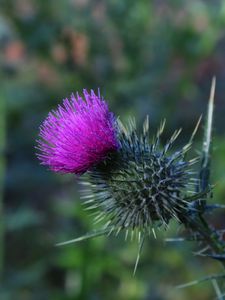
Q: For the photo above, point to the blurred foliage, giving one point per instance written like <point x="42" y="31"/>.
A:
<point x="147" y="57"/>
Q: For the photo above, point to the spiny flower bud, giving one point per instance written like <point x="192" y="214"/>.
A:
<point x="141" y="184"/>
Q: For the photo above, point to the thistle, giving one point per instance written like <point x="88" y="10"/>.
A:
<point x="133" y="183"/>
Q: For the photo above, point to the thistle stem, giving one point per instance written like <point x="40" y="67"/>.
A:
<point x="199" y="224"/>
<point x="211" y="237"/>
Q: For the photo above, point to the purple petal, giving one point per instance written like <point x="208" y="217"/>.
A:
<point x="78" y="135"/>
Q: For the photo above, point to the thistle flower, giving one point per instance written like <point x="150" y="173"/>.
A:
<point x="78" y="135"/>
<point x="132" y="183"/>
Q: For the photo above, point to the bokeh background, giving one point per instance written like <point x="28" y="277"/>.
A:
<point x="147" y="57"/>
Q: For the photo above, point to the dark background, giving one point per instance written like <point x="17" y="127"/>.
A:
<point x="147" y="57"/>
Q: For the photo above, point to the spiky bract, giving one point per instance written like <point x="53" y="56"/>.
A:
<point x="140" y="185"/>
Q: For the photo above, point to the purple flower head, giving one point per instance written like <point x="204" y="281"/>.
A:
<point x="78" y="135"/>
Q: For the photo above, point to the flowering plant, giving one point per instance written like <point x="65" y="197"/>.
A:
<point x="132" y="184"/>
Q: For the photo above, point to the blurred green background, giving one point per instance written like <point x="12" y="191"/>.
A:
<point x="147" y="57"/>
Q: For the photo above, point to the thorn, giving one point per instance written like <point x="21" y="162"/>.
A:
<point x="85" y="237"/>
<point x="210" y="117"/>
<point x="206" y="278"/>
<point x="138" y="255"/>
<point x="146" y="125"/>
<point x="195" y="130"/>
<point x="154" y="234"/>
<point x="174" y="240"/>
<point x="200" y="252"/>
<point x="214" y="206"/>
<point x="214" y="256"/>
